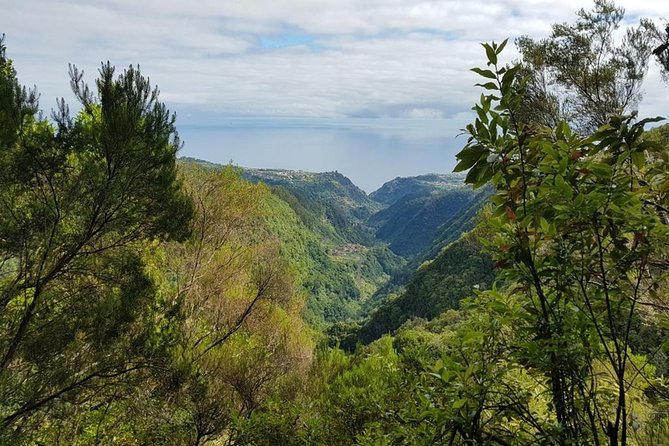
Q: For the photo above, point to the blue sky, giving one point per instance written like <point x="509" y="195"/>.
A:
<point x="304" y="65"/>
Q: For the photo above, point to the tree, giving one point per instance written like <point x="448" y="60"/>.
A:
<point x="232" y="309"/>
<point x="661" y="52"/>
<point x="17" y="105"/>
<point x="582" y="236"/>
<point x="81" y="199"/>
<point x="580" y="74"/>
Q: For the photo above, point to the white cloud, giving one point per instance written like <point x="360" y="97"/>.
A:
<point x="423" y="113"/>
<point x="404" y="58"/>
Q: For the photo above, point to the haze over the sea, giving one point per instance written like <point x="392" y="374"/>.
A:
<point x="368" y="151"/>
<point x="371" y="88"/>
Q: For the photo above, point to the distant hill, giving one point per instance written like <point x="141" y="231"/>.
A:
<point x="464" y="220"/>
<point x="448" y="232"/>
<point x="332" y="187"/>
<point x="339" y="237"/>
<point x="314" y="216"/>
<point x="394" y="190"/>
<point x="327" y="196"/>
<point x="417" y="211"/>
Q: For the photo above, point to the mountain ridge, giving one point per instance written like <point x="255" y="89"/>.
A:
<point x="393" y="190"/>
<point x="366" y="262"/>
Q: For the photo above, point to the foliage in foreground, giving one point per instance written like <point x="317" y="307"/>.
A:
<point x="80" y="199"/>
<point x="581" y="235"/>
<point x="139" y="304"/>
<point x="164" y="309"/>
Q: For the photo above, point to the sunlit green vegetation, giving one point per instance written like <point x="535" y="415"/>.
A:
<point x="150" y="301"/>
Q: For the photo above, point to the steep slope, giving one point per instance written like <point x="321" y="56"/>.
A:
<point x="411" y="224"/>
<point x="338" y="239"/>
<point x="421" y="185"/>
<point x="414" y="288"/>
<point x="464" y="220"/>
<point x="417" y="208"/>
<point x="329" y="197"/>
<point x="437" y="286"/>
<point x="337" y="274"/>
<point x="350" y="265"/>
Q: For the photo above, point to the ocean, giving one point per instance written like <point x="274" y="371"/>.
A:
<point x="368" y="151"/>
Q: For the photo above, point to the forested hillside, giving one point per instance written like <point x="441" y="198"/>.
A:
<point x="410" y="224"/>
<point x="339" y="262"/>
<point x="151" y="300"/>
<point x="394" y="190"/>
<point x="438" y="285"/>
<point x="330" y="233"/>
<point x="328" y="196"/>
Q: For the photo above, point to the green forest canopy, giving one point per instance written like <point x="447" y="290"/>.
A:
<point x="145" y="301"/>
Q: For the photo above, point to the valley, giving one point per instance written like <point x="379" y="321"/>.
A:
<point x="370" y="254"/>
<point x="150" y="298"/>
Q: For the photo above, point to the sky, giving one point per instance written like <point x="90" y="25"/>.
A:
<point x="371" y="88"/>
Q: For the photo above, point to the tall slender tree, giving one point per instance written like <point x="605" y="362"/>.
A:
<point x="80" y="197"/>
<point x="581" y="73"/>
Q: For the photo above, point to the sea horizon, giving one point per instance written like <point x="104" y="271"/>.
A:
<point x="369" y="151"/>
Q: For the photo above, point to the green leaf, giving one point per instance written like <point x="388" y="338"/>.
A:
<point x="543" y="223"/>
<point x="502" y="45"/>
<point x="563" y="187"/>
<point x="639" y="159"/>
<point x="510" y="74"/>
<point x="481" y="114"/>
<point x="469" y="156"/>
<point x="458" y="404"/>
<point x="488" y="86"/>
<point x="485" y="73"/>
<point x="601" y="170"/>
<point x="475" y="173"/>
<point x="492" y="56"/>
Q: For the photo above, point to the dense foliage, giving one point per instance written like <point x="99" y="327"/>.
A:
<point x="581" y="234"/>
<point x="411" y="224"/>
<point x="421" y="185"/>
<point x="328" y="198"/>
<point x="145" y="301"/>
<point x="81" y="201"/>
<point x="437" y="286"/>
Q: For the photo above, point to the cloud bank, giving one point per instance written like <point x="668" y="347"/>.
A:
<point x="305" y="58"/>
